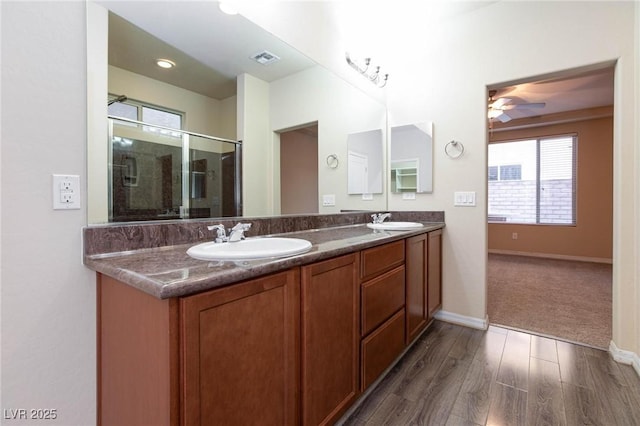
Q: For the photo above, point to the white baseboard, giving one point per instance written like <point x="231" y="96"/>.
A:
<point x="472" y="322"/>
<point x="552" y="256"/>
<point x="625" y="357"/>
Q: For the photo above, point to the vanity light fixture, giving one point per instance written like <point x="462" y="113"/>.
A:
<point x="373" y="76"/>
<point x="165" y="63"/>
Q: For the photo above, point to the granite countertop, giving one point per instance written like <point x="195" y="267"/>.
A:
<point x="168" y="271"/>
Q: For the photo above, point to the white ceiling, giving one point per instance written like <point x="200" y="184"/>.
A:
<point x="209" y="47"/>
<point x="212" y="48"/>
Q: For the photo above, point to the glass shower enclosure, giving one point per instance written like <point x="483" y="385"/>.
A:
<point x="158" y="173"/>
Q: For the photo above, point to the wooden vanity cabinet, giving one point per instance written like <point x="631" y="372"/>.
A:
<point x="240" y="348"/>
<point x="330" y="338"/>
<point x="295" y="347"/>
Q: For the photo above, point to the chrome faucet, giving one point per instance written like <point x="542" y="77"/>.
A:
<point x="380" y="217"/>
<point x="237" y="232"/>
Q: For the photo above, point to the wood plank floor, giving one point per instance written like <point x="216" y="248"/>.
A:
<point x="455" y="375"/>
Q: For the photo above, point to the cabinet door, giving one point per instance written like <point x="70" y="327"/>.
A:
<point x="382" y="347"/>
<point x="416" y="282"/>
<point x="435" y="273"/>
<point x="330" y="338"/>
<point x="240" y="353"/>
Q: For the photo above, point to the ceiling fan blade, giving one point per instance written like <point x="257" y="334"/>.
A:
<point x="500" y="103"/>
<point x="503" y="117"/>
<point x="525" y="106"/>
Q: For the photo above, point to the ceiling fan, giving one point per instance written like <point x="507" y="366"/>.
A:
<point x="497" y="109"/>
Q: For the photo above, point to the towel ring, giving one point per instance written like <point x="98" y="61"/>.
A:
<point x="332" y="161"/>
<point x="454" y="145"/>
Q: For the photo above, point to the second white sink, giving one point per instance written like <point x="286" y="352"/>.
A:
<point x="395" y="226"/>
<point x="250" y="249"/>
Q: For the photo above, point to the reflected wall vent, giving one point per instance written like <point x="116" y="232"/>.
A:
<point x="265" y="57"/>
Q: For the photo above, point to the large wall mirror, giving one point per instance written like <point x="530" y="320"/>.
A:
<point x="411" y="158"/>
<point x="231" y="80"/>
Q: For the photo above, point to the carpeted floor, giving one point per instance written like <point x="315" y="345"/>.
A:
<point x="566" y="299"/>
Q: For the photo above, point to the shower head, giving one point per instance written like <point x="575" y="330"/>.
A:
<point x="120" y="98"/>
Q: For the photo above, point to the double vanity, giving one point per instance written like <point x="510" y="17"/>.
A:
<point x="237" y="339"/>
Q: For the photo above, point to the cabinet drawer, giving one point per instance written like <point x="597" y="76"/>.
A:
<point x="381" y="348"/>
<point x="381" y="298"/>
<point x="383" y="258"/>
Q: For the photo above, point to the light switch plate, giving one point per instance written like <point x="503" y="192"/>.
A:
<point x="464" y="199"/>
<point x="367" y="197"/>
<point x="408" y="195"/>
<point x="328" y="200"/>
<point x="66" y="192"/>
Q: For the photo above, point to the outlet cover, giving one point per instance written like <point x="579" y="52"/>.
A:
<point x="66" y="192"/>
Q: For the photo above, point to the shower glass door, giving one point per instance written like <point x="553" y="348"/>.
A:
<point x="161" y="173"/>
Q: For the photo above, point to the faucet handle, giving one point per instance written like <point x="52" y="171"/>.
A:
<point x="380" y="217"/>
<point x="221" y="233"/>
<point x="237" y="232"/>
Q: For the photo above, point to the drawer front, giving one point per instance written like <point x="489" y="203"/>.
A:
<point x="381" y="348"/>
<point x="382" y="258"/>
<point x="381" y="298"/>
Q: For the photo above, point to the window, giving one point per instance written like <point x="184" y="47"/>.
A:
<point x="533" y="181"/>
<point x="511" y="172"/>
<point x="493" y="173"/>
<point x="149" y="115"/>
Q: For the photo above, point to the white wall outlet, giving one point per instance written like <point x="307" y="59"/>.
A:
<point x="66" y="192"/>
<point x="464" y="199"/>
<point x="514" y="236"/>
<point x="367" y="197"/>
<point x="328" y="200"/>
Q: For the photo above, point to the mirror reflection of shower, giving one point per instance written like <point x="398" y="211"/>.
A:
<point x="160" y="173"/>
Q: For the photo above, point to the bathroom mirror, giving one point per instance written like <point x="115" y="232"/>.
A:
<point x="298" y="92"/>
<point x="411" y="158"/>
<point x="364" y="162"/>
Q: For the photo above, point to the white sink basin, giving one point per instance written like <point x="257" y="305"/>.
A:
<point x="250" y="249"/>
<point x="395" y="226"/>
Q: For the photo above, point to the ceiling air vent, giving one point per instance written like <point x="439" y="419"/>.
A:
<point x="265" y="57"/>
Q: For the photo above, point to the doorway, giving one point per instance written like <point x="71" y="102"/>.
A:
<point x="299" y="170"/>
<point x="550" y="205"/>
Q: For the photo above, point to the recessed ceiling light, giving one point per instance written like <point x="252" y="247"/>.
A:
<point x="165" y="63"/>
<point x="227" y="7"/>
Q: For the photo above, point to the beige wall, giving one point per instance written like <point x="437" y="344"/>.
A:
<point x="48" y="297"/>
<point x="592" y="237"/>
<point x="257" y="146"/>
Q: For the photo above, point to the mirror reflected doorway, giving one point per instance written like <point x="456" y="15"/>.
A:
<point x="299" y="170"/>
